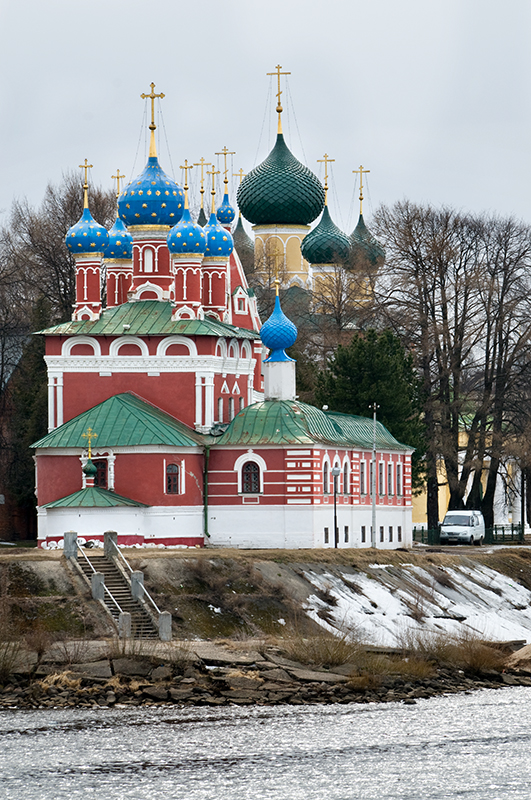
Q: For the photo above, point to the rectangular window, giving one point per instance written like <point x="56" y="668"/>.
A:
<point x="390" y="533"/>
<point x="381" y="485"/>
<point x="220" y="409"/>
<point x="345" y="479"/>
<point x="399" y="533"/>
<point x="326" y="536"/>
<point x="363" y="489"/>
<point x="363" y="533"/>
<point x="241" y="402"/>
<point x="371" y="487"/>
<point x="231" y="409"/>
<point x="399" y="479"/>
<point x="381" y="533"/>
<point x="100" y="478"/>
<point x="390" y="478"/>
<point x="346" y="533"/>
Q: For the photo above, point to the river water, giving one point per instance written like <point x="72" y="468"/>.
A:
<point x="475" y="746"/>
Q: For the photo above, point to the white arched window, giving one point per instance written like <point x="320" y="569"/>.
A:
<point x="250" y="468"/>
<point x="346" y="481"/>
<point x="326" y="481"/>
<point x="148" y="259"/>
<point x="220" y="409"/>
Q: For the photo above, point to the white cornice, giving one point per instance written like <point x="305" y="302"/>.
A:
<point x="109" y="364"/>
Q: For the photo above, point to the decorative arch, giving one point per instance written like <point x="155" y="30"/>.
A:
<point x="182" y="340"/>
<point x="115" y="345"/>
<point x="244" y="459"/>
<point x="346" y="474"/>
<point x="233" y="349"/>
<point x="221" y="347"/>
<point x="246" y="350"/>
<point x="326" y="474"/>
<point x="149" y="287"/>
<point x="66" y="349"/>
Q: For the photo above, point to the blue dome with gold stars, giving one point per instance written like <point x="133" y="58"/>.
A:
<point x="120" y="242"/>
<point x="187" y="236"/>
<point x="87" y="236"/>
<point x="151" y="199"/>
<point x="225" y="212"/>
<point x="278" y="333"/>
<point x="219" y="240"/>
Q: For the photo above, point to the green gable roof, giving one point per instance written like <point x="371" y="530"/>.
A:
<point x="93" y="497"/>
<point x="124" y="420"/>
<point x="147" y="318"/>
<point x="286" y="422"/>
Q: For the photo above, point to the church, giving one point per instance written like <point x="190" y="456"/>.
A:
<point x="172" y="413"/>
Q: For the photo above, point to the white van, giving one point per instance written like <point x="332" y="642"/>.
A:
<point x="463" y="527"/>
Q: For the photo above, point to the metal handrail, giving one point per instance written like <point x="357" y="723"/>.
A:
<point x="145" y="591"/>
<point x="94" y="570"/>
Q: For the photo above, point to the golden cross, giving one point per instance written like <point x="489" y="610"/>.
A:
<point x="86" y="166"/>
<point x="186" y="167"/>
<point x="90" y="435"/>
<point x="361" y="172"/>
<point x="213" y="173"/>
<point x="117" y="178"/>
<point x="278" y="73"/>
<point x="240" y="174"/>
<point x="326" y="161"/>
<point x="226" y="153"/>
<point x="152" y="97"/>
<point x="202" y="163"/>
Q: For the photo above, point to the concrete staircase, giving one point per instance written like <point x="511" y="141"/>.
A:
<point x="142" y="626"/>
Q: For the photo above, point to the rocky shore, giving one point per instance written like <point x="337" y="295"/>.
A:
<point x="210" y="675"/>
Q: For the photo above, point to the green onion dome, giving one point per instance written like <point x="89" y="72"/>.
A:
<point x="201" y="219"/>
<point x="280" y="190"/>
<point x="87" y="236"/>
<point x="364" y="247"/>
<point x="90" y="469"/>
<point x="219" y="240"/>
<point x="326" y="244"/>
<point x="187" y="236"/>
<point x="244" y="246"/>
<point x="151" y="199"/>
<point x="120" y="242"/>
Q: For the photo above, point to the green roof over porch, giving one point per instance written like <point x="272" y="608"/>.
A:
<point x="93" y="497"/>
<point x="124" y="420"/>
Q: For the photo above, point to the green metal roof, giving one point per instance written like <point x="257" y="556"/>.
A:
<point x="326" y="244"/>
<point x="286" y="422"/>
<point x="147" y="318"/>
<point x="124" y="420"/>
<point x="280" y="190"/>
<point x="93" y="497"/>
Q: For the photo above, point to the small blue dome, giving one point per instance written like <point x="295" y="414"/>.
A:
<point x="219" y="241"/>
<point x="120" y="242"/>
<point x="278" y="333"/>
<point x="151" y="199"/>
<point x="87" y="236"/>
<point x="187" y="236"/>
<point x="225" y="212"/>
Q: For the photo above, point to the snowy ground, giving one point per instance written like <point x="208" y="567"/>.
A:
<point x="385" y="604"/>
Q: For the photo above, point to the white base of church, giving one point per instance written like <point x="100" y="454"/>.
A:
<point x="245" y="526"/>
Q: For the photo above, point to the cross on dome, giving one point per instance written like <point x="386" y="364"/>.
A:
<point x="278" y="73"/>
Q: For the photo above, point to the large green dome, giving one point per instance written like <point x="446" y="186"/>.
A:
<point x="326" y="244"/>
<point x="280" y="190"/>
<point x="364" y="247"/>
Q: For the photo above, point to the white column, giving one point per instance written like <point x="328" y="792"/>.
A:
<point x="209" y="400"/>
<point x="198" y="400"/>
<point x="51" y="404"/>
<point x="59" y="399"/>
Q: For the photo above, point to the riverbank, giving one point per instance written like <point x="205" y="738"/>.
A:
<point x="115" y="674"/>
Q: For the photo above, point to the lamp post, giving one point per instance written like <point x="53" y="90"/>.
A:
<point x="374" y="408"/>
<point x="336" y="473"/>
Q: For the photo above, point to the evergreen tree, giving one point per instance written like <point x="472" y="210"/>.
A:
<point x="376" y="368"/>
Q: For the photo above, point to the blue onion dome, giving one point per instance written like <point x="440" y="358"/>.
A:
<point x="278" y="333"/>
<point x="151" y="199"/>
<point x="225" y="212"/>
<point x="120" y="242"/>
<point x="244" y="246"/>
<point x="281" y="190"/>
<point x="219" y="240"/>
<point x="364" y="248"/>
<point x="87" y="236"/>
<point x="187" y="236"/>
<point x="326" y="244"/>
<point x="201" y="219"/>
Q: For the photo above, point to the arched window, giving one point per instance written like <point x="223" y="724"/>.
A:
<point x="250" y="478"/>
<point x="220" y="409"/>
<point x="241" y="402"/>
<point x="172" y="479"/>
<point x="231" y="409"/>
<point x="345" y="479"/>
<point x="148" y="259"/>
<point x="100" y="478"/>
<point x="326" y="487"/>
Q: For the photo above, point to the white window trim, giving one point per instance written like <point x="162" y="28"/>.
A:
<point x="243" y="459"/>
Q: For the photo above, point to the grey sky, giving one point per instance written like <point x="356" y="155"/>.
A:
<point x="430" y="95"/>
